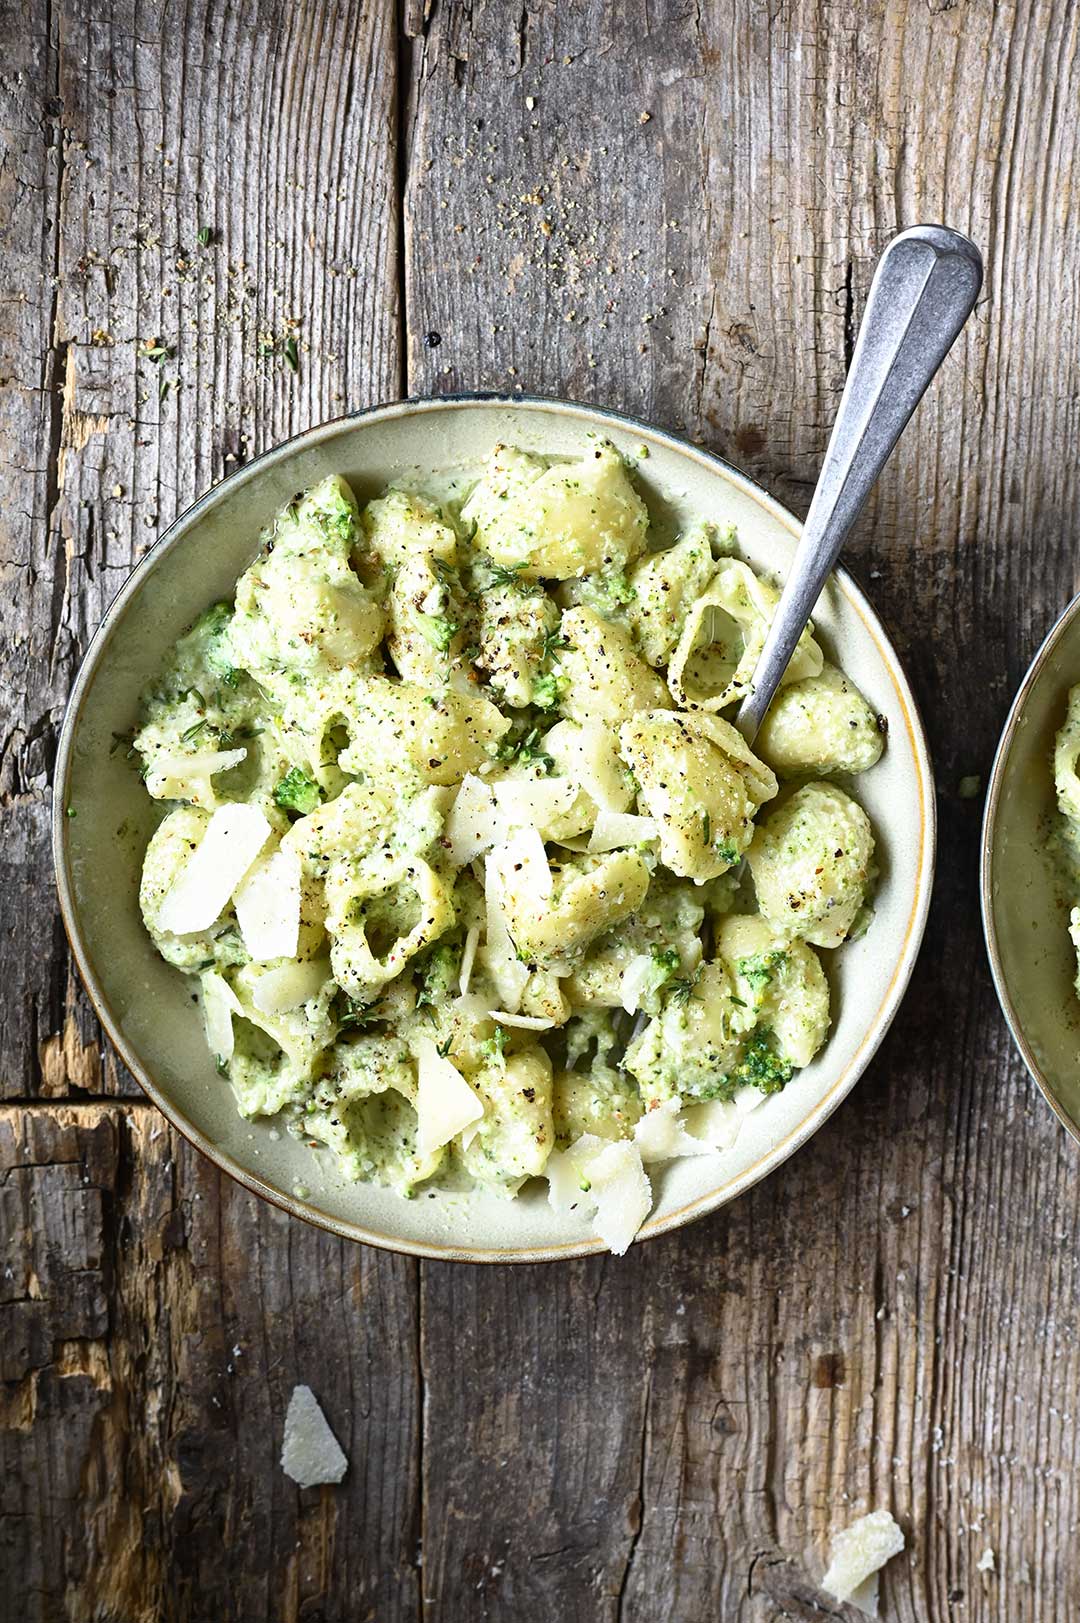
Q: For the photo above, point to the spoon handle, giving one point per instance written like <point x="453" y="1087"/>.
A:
<point x="924" y="289"/>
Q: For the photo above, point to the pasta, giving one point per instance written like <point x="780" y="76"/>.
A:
<point x="453" y="834"/>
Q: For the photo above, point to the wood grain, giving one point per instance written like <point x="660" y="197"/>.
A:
<point x="674" y="210"/>
<point x="870" y="1326"/>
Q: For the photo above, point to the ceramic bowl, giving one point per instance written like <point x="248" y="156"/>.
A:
<point x="1024" y="905"/>
<point x="147" y="1008"/>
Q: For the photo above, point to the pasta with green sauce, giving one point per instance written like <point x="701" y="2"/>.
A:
<point x="454" y="828"/>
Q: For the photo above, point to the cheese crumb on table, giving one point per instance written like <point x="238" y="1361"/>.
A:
<point x="310" y="1453"/>
<point x="985" y="1563"/>
<point x="856" y="1556"/>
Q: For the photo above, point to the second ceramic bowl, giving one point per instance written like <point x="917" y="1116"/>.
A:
<point x="147" y="1008"/>
<point x="1024" y="904"/>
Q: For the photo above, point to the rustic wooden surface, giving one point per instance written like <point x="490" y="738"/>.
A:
<point x="673" y="209"/>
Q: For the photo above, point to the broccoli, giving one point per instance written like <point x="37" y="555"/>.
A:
<point x="439" y="630"/>
<point x="759" y="968"/>
<point x="761" y="1063"/>
<point x="297" y="792"/>
<point x="548" y="690"/>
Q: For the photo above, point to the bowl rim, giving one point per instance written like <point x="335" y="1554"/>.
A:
<point x="995" y="790"/>
<point x="296" y="1206"/>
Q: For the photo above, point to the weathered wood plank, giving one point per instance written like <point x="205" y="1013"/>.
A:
<point x="706" y="267"/>
<point x="273" y="136"/>
<point x="154" y="1319"/>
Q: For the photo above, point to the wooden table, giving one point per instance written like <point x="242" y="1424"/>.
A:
<point x="674" y="210"/>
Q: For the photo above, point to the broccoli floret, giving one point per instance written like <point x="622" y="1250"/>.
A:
<point x="548" y="690"/>
<point x="439" y="630"/>
<point x="760" y="968"/>
<point x="297" y="792"/>
<point x="761" y="1063"/>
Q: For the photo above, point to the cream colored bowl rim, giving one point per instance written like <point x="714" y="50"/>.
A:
<point x="174" y="536"/>
<point x="995" y="790"/>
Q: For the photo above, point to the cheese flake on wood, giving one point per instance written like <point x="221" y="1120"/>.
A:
<point x="310" y="1453"/>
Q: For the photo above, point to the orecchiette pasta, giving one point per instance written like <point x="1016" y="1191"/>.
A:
<point x="452" y="832"/>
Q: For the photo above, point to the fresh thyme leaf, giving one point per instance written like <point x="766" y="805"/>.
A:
<point x="206" y="236"/>
<point x="194" y="732"/>
<point x="291" y="353"/>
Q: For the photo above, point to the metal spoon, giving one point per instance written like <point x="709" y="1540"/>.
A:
<point x="923" y="291"/>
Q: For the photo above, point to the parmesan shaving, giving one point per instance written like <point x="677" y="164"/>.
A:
<point x="468" y="959"/>
<point x="522" y="865"/>
<point x="204" y="886"/>
<point x="623" y="1195"/>
<point x="219" y="1004"/>
<point x="717" y="1122"/>
<point x="268" y="907"/>
<point x="287" y="986"/>
<point x="510" y="976"/>
<point x="603" y="1180"/>
<point x="661" y="1134"/>
<point x="473" y="824"/>
<point x="187" y="777"/>
<point x="445" y="1103"/>
<point x="613" y="830"/>
<point x="635" y="978"/>
<point x="310" y="1453"/>
<point x="535" y="802"/>
<point x="856" y="1556"/>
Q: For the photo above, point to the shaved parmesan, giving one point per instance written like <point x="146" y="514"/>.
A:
<point x="204" y="886"/>
<point x="856" y="1556"/>
<point x="661" y="1134"/>
<point x="468" y="959"/>
<point x="635" y="979"/>
<point x="623" y="1194"/>
<point x="187" y="777"/>
<point x="535" y="802"/>
<point x="502" y="963"/>
<point x="287" y="986"/>
<point x="591" y="756"/>
<point x="522" y="865"/>
<point x="748" y="1099"/>
<point x="612" y="830"/>
<point x="567" y="1172"/>
<point x="310" y="1453"/>
<point x="473" y="824"/>
<point x="445" y="1103"/>
<point x="602" y="1180"/>
<point x="268" y="907"/>
<point x="219" y="1004"/>
<point x="526" y="1022"/>
<point x="716" y="1122"/>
